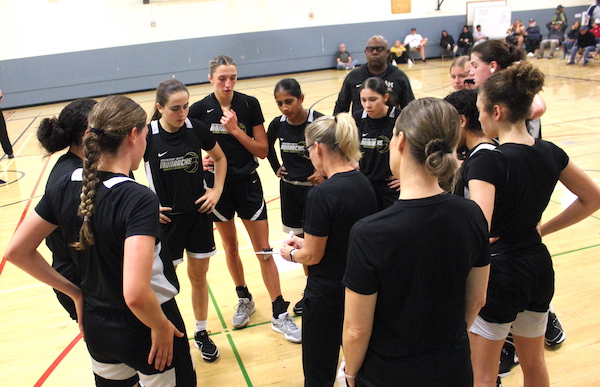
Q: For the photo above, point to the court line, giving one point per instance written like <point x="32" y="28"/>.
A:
<point x="26" y="209"/>
<point x="239" y="360"/>
<point x="57" y="361"/>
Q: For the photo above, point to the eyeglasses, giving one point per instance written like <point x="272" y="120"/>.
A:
<point x="379" y="49"/>
<point x="305" y="151"/>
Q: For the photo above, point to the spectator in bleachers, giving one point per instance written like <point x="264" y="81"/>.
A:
<point x="465" y="41"/>
<point x="533" y="36"/>
<point x="571" y="38"/>
<point x="479" y="36"/>
<point x="447" y="44"/>
<point x="416" y="42"/>
<point x="586" y="43"/>
<point x="555" y="38"/>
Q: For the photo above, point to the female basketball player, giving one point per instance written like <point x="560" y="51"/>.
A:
<point x="55" y="134"/>
<point x="297" y="173"/>
<point x="513" y="185"/>
<point x="417" y="271"/>
<point x="174" y="169"/>
<point x="132" y="325"/>
<point x="236" y="121"/>
<point x="331" y="209"/>
<point x="375" y="125"/>
<point x="458" y="73"/>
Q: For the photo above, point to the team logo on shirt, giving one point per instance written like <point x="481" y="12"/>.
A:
<point x="220" y="129"/>
<point x="189" y="163"/>
<point x="381" y="143"/>
<point x="293" y="147"/>
<point x="390" y="85"/>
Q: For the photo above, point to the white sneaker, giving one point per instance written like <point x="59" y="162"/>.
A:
<point x="530" y="54"/>
<point x="410" y="62"/>
<point x="285" y="325"/>
<point x="243" y="310"/>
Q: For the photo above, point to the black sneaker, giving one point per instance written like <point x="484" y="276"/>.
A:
<point x="299" y="306"/>
<point x="555" y="334"/>
<point x="207" y="348"/>
<point x="508" y="357"/>
<point x="11" y="156"/>
<point x="498" y="382"/>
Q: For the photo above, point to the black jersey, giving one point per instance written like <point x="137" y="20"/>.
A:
<point x="292" y="142"/>
<point x="332" y="207"/>
<point x="416" y="255"/>
<point x="240" y="162"/>
<point x="524" y="177"/>
<point x="375" y="136"/>
<point x="173" y="158"/>
<point x="395" y="79"/>
<point x="123" y="208"/>
<point x="461" y="187"/>
<point x="65" y="165"/>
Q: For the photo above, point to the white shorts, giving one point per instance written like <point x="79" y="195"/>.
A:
<point x="527" y="324"/>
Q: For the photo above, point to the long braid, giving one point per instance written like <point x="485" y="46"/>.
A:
<point x="109" y="123"/>
<point x="88" y="190"/>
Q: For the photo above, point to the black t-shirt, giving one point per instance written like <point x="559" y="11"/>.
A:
<point x="291" y="144"/>
<point x="174" y="164"/>
<point x="240" y="162"/>
<point x="461" y="188"/>
<point x="61" y="252"/>
<point x="416" y="255"/>
<point x="332" y="207"/>
<point x="395" y="79"/>
<point x="375" y="136"/>
<point x="123" y="208"/>
<point x="524" y="177"/>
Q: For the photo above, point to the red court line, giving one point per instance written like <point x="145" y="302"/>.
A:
<point x="56" y="362"/>
<point x="37" y="184"/>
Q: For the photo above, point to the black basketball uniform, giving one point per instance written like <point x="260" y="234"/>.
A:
<point x="117" y="341"/>
<point x="242" y="192"/>
<point x="375" y="136"/>
<point x="294" y="186"/>
<point x="521" y="277"/>
<point x="62" y="261"/>
<point x="174" y="169"/>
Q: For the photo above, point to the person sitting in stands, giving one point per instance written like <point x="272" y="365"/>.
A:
<point x="555" y="38"/>
<point x="398" y="53"/>
<point x="344" y="60"/>
<point x="479" y="36"/>
<point x="586" y="43"/>
<point x="533" y="37"/>
<point x="416" y="42"/>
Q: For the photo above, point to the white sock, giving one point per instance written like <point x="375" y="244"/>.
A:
<point x="201" y="325"/>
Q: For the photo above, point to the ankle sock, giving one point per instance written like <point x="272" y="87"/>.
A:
<point x="279" y="306"/>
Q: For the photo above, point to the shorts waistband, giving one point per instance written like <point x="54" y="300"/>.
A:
<point x="295" y="182"/>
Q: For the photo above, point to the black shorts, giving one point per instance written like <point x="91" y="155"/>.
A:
<point x="519" y="281"/>
<point x="119" y="344"/>
<point x="293" y="198"/>
<point x="241" y="194"/>
<point x="192" y="231"/>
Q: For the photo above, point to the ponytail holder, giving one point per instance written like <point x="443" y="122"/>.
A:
<point x="440" y="146"/>
<point x="97" y="131"/>
<point x="86" y="218"/>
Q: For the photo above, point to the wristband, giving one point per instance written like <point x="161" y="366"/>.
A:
<point x="349" y="376"/>
<point x="292" y="255"/>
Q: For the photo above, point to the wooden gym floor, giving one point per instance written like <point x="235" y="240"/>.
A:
<point x="40" y="345"/>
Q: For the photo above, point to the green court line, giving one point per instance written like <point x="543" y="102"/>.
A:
<point x="576" y="250"/>
<point x="239" y="360"/>
<point x="212" y="298"/>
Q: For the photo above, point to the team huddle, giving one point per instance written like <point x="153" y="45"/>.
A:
<point x="417" y="223"/>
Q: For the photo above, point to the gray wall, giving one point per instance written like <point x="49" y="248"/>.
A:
<point x="62" y="77"/>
